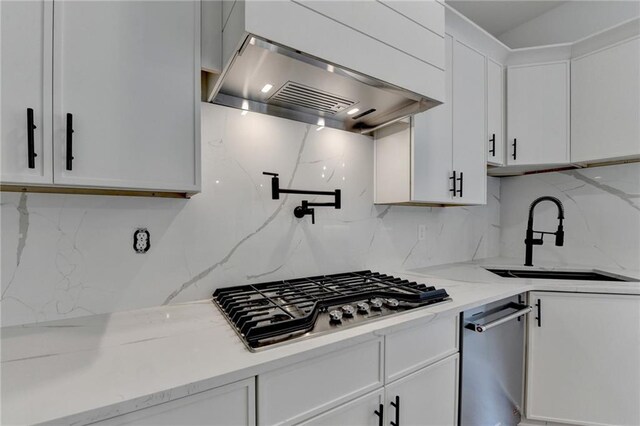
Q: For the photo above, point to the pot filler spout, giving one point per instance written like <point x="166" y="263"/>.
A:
<point x="271" y="79"/>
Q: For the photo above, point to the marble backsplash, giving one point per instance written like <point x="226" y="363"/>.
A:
<point x="602" y="216"/>
<point x="71" y="255"/>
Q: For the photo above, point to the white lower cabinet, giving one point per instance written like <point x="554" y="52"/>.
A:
<point x="426" y="397"/>
<point x="230" y="405"/>
<point x="358" y="385"/>
<point x="363" y="411"/>
<point x="583" y="362"/>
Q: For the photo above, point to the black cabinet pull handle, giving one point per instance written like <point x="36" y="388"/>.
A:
<point x="453" y="178"/>
<point x="31" y="153"/>
<point x="492" y="151"/>
<point x="539" y="308"/>
<point x="396" y="405"/>
<point x="380" y="413"/>
<point x="515" y="147"/>
<point x="461" y="180"/>
<point x="69" y="141"/>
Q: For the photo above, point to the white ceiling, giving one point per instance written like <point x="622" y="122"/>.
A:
<point x="497" y="17"/>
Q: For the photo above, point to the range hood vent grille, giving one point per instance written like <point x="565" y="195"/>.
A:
<point x="304" y="96"/>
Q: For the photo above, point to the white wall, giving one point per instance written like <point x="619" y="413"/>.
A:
<point x="602" y="210"/>
<point x="570" y="22"/>
<point x="71" y="255"/>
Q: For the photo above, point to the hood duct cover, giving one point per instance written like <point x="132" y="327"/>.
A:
<point x="311" y="90"/>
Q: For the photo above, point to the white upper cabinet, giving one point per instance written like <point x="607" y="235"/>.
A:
<point x="126" y="94"/>
<point x="469" y="125"/>
<point x="605" y="103"/>
<point x="432" y="144"/>
<point x="495" y="113"/>
<point x="112" y="89"/>
<point x="538" y="114"/>
<point x="26" y="91"/>
<point x="584" y="359"/>
<point x="441" y="157"/>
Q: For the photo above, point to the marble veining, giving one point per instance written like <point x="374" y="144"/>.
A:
<point x="98" y="358"/>
<point x="65" y="256"/>
<point x="602" y="215"/>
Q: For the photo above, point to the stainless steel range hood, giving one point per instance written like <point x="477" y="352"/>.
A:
<point x="307" y="89"/>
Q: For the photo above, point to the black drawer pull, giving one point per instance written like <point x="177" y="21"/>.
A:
<point x="539" y="309"/>
<point x="461" y="180"/>
<point x="31" y="153"/>
<point x="515" y="148"/>
<point x="492" y="151"/>
<point x="396" y="405"/>
<point x="453" y="178"/>
<point x="69" y="141"/>
<point x="380" y="413"/>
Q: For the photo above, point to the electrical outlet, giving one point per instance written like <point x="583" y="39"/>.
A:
<point x="141" y="240"/>
<point x="422" y="232"/>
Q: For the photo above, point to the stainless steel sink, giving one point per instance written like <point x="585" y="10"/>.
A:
<point x="558" y="275"/>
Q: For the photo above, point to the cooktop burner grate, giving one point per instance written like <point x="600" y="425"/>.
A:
<point x="271" y="312"/>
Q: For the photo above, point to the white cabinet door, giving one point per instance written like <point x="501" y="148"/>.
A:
<point x="469" y="125"/>
<point x="26" y="84"/>
<point x="431" y="144"/>
<point x="538" y="114"/>
<point x="363" y="411"/>
<point x="426" y="397"/>
<point x="605" y="103"/>
<point x="128" y="72"/>
<point x="495" y="113"/>
<point x="584" y="359"/>
<point x="446" y="139"/>
<point x="230" y="405"/>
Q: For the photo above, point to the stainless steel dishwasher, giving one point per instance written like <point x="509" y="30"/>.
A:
<point x="492" y="369"/>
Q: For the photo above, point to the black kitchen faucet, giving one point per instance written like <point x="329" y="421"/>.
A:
<point x="530" y="241"/>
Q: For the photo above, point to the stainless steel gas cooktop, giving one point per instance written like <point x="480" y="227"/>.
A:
<point x="283" y="311"/>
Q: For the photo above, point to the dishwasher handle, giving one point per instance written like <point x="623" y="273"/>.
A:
<point x="522" y="310"/>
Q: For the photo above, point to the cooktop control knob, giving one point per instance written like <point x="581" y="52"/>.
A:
<point x="348" y="310"/>
<point x="392" y="303"/>
<point x="363" y="307"/>
<point x="335" y="315"/>
<point x="376" y="303"/>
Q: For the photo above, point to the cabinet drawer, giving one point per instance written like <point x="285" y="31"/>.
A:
<point x="428" y="343"/>
<point x="307" y="388"/>
<point x="229" y="405"/>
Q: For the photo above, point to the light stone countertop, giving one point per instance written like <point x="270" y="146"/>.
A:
<point x="86" y="369"/>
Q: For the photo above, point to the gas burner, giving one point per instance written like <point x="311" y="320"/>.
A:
<point x="363" y="307"/>
<point x="348" y="310"/>
<point x="282" y="311"/>
<point x="335" y="316"/>
<point x="376" y="303"/>
<point x="392" y="303"/>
